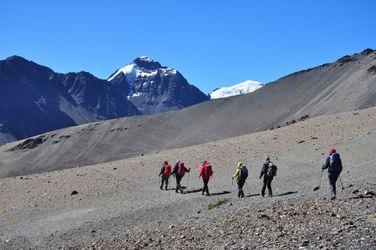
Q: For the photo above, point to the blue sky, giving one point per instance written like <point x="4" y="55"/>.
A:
<point x="212" y="43"/>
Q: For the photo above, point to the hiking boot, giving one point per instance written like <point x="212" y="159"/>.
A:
<point x="333" y="198"/>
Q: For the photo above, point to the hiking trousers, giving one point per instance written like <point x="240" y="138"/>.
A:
<point x="178" y="186"/>
<point x="165" y="181"/>
<point x="240" y="188"/>
<point x="205" y="189"/>
<point x="333" y="177"/>
<point x="267" y="183"/>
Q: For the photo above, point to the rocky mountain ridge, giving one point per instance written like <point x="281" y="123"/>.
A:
<point x="34" y="99"/>
<point x="154" y="88"/>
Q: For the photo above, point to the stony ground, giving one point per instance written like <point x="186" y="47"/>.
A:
<point x="293" y="223"/>
<point x="119" y="204"/>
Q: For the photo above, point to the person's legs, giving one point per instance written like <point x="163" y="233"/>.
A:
<point x="167" y="177"/>
<point x="332" y="184"/>
<point x="178" y="186"/>
<point x="264" y="186"/>
<point x="161" y="182"/>
<point x="177" y="183"/>
<point x="242" y="191"/>
<point x="269" y="185"/>
<point x="240" y="188"/>
<point x="206" y="187"/>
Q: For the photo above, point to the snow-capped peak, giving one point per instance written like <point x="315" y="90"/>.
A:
<point x="143" y="67"/>
<point x="146" y="59"/>
<point x="241" y="88"/>
<point x="130" y="71"/>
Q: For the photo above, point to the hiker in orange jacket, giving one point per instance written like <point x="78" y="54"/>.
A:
<point x="165" y="173"/>
<point x="205" y="172"/>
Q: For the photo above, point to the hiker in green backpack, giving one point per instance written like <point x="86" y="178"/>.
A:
<point x="241" y="174"/>
<point x="269" y="170"/>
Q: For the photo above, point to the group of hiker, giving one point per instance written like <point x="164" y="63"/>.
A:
<point x="269" y="170"/>
<point x="180" y="170"/>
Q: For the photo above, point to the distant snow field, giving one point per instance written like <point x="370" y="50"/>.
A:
<point x="238" y="89"/>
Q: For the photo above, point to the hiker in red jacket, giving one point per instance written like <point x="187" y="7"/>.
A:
<point x="165" y="173"/>
<point x="179" y="173"/>
<point x="205" y="172"/>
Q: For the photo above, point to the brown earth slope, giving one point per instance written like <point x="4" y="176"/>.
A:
<point x="344" y="85"/>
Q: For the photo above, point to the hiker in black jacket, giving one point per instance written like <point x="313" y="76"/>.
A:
<point x="334" y="165"/>
<point x="269" y="170"/>
<point x="179" y="172"/>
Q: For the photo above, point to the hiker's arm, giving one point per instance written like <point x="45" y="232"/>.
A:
<point x="162" y="170"/>
<point x="236" y="174"/>
<point x="262" y="171"/>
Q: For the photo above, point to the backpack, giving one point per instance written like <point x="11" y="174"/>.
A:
<point x="335" y="165"/>
<point x="181" y="170"/>
<point x="167" y="170"/>
<point x="208" y="171"/>
<point x="243" y="173"/>
<point x="272" y="170"/>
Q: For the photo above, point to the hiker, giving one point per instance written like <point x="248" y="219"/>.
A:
<point x="165" y="173"/>
<point x="241" y="174"/>
<point x="179" y="172"/>
<point x="334" y="165"/>
<point x="269" y="170"/>
<point x="205" y="172"/>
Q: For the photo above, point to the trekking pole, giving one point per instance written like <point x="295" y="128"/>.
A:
<point x="189" y="174"/>
<point x="318" y="187"/>
<point x="340" y="180"/>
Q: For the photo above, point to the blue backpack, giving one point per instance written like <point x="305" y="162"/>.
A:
<point x="335" y="165"/>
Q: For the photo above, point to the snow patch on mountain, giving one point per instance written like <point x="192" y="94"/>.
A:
<point x="133" y="71"/>
<point x="238" y="89"/>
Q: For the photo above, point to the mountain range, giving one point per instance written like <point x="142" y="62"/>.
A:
<point x="347" y="84"/>
<point x="34" y="99"/>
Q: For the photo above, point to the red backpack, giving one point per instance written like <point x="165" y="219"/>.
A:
<point x="167" y="170"/>
<point x="181" y="170"/>
<point x="207" y="171"/>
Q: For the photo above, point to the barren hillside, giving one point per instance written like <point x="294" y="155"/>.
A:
<point x="344" y="85"/>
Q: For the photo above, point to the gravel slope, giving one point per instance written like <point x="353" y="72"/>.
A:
<point x="119" y="203"/>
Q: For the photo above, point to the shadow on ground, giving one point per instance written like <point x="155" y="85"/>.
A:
<point x="220" y="193"/>
<point x="287" y="193"/>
